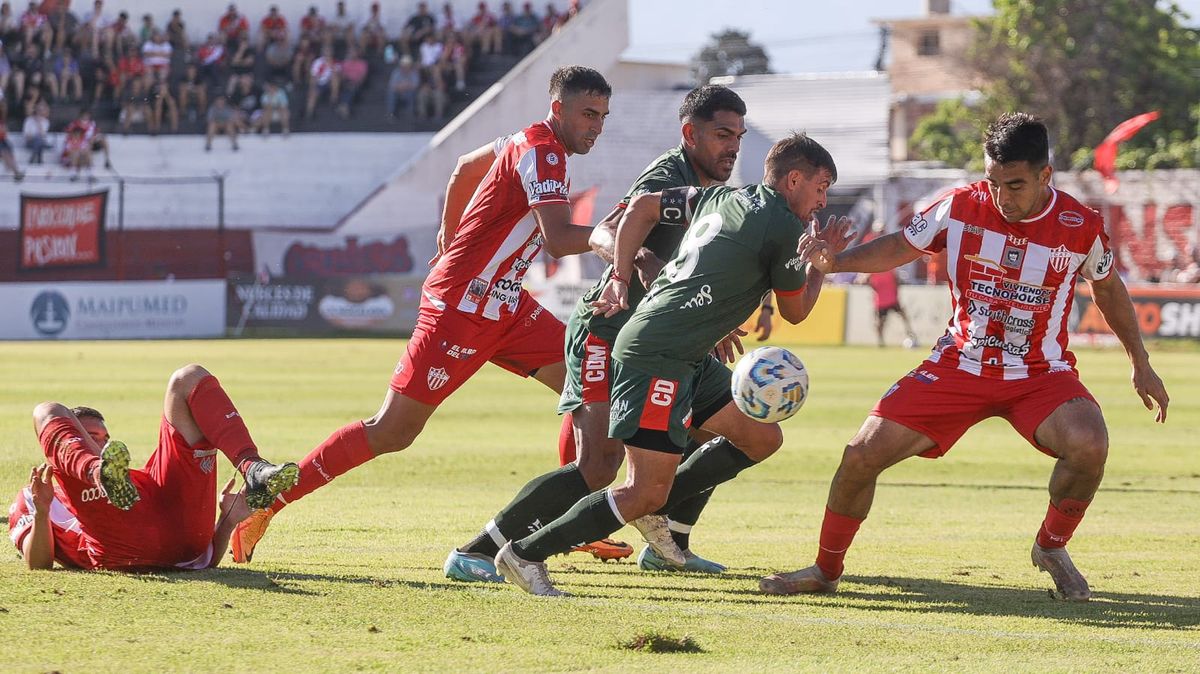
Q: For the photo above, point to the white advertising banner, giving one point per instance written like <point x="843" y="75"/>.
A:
<point x="113" y="310"/>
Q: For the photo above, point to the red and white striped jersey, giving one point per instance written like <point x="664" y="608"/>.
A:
<point x="481" y="270"/>
<point x="70" y="543"/>
<point x="1011" y="284"/>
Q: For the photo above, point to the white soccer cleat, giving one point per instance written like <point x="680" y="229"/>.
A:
<point x="658" y="537"/>
<point x="529" y="576"/>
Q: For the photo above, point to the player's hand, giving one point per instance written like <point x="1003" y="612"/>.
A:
<point x="614" y="299"/>
<point x="724" y="348"/>
<point x="1151" y="390"/>
<point x="233" y="504"/>
<point x="816" y="251"/>
<point x="837" y="232"/>
<point x="647" y="265"/>
<point x="41" y="485"/>
<point x="442" y="243"/>
<point x="762" y="327"/>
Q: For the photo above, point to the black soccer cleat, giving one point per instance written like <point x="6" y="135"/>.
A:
<point x="265" y="481"/>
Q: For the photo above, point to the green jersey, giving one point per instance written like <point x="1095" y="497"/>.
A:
<point x="672" y="169"/>
<point x="739" y="244"/>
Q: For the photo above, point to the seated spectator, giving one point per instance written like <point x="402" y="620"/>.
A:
<point x="448" y="22"/>
<point x="210" y="59"/>
<point x="66" y="70"/>
<point x="454" y="60"/>
<point x="148" y="29"/>
<point x="6" y="71"/>
<point x="61" y="22"/>
<point x="272" y="28"/>
<point x="302" y="60"/>
<point x="130" y="67"/>
<point x="6" y="153"/>
<point x="117" y="35"/>
<point x="373" y="36"/>
<point x="275" y="109"/>
<point x="33" y="69"/>
<point x="241" y="63"/>
<point x="77" y="151"/>
<point x="432" y="97"/>
<point x="340" y="29"/>
<point x="416" y="29"/>
<point x="232" y="26"/>
<point x="322" y="80"/>
<point x="33" y="98"/>
<point x="34" y="27"/>
<point x="312" y="26"/>
<point x="550" y="22"/>
<point x="431" y="53"/>
<point x="221" y="119"/>
<point x="36" y="132"/>
<point x="156" y="55"/>
<point x="352" y="73"/>
<point x="135" y="108"/>
<point x="162" y="102"/>
<point x="10" y="25"/>
<point x="524" y="33"/>
<point x="177" y="32"/>
<point x="278" y="57"/>
<point x="191" y="88"/>
<point x="91" y="134"/>
<point x="95" y="18"/>
<point x="403" y="84"/>
<point x="245" y="100"/>
<point x="483" y="31"/>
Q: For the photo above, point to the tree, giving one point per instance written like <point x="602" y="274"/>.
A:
<point x="730" y="53"/>
<point x="1085" y="66"/>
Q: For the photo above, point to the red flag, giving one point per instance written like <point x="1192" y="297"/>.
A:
<point x="1106" y="151"/>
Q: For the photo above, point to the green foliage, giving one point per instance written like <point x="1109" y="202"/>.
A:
<point x="953" y="135"/>
<point x="730" y="52"/>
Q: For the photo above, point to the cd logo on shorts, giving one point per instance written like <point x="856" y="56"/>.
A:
<point x="436" y="378"/>
<point x="552" y="159"/>
<point x="49" y="313"/>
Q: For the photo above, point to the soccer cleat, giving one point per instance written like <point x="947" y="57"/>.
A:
<point x="471" y="567"/>
<point x="606" y="549"/>
<point x="658" y="536"/>
<point x="648" y="561"/>
<point x="1070" y="584"/>
<point x="804" y="581"/>
<point x="114" y="475"/>
<point x="248" y="533"/>
<point x="529" y="576"/>
<point x="265" y="481"/>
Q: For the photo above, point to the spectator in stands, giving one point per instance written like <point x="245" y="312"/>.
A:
<point x="352" y="73"/>
<point x="448" y="22"/>
<point x="33" y="74"/>
<point x="156" y="55"/>
<point x="403" y="84"/>
<point x="272" y="28"/>
<point x="483" y="31"/>
<point x="90" y="133"/>
<point x="275" y="109"/>
<point x="34" y="27"/>
<point x="245" y="101"/>
<point x="177" y="32"/>
<point x="525" y="32"/>
<point x="432" y="97"/>
<point x="221" y="119"/>
<point x="66" y="70"/>
<point x="130" y="67"/>
<point x="147" y="30"/>
<point x="455" y="57"/>
<point x="373" y="35"/>
<point x="419" y="26"/>
<point x="117" y="35"/>
<point x="232" y="26"/>
<point x="192" y="89"/>
<point x="431" y="53"/>
<point x="77" y="152"/>
<point x="6" y="73"/>
<point x="210" y="59"/>
<point x="10" y="25"/>
<point x="135" y="107"/>
<point x="36" y="132"/>
<point x="322" y="80"/>
<point x="33" y="97"/>
<point x="550" y="22"/>
<point x="241" y="63"/>
<point x="162" y="102"/>
<point x="340" y="30"/>
<point x="306" y="53"/>
<point x="62" y="22"/>
<point x="312" y="26"/>
<point x="96" y="18"/>
<point x="6" y="152"/>
<point x="278" y="57"/>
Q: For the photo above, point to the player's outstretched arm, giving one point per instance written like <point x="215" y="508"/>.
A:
<point x="38" y="547"/>
<point x="232" y="510"/>
<point x="635" y="225"/>
<point x="880" y="254"/>
<point x="468" y="173"/>
<point x="831" y="240"/>
<point x="1112" y="298"/>
<point x="563" y="238"/>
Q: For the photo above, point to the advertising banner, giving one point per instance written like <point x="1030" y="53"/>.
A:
<point x="62" y="231"/>
<point x="114" y="310"/>
<point x="385" y="303"/>
<point x="1164" y="311"/>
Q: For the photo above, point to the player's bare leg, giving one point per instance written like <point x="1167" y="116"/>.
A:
<point x="1077" y="434"/>
<point x="878" y="445"/>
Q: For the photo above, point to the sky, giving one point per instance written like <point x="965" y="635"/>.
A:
<point x="799" y="35"/>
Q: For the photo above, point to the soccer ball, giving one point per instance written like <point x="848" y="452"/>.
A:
<point x="769" y="384"/>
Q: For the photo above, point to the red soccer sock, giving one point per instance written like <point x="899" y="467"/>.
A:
<point x="67" y="451"/>
<point x="566" y="441"/>
<point x="1060" y="522"/>
<point x="221" y="423"/>
<point x="837" y="533"/>
<point x="345" y="449"/>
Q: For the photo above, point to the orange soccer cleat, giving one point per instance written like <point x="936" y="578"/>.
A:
<point x="248" y="533"/>
<point x="606" y="549"/>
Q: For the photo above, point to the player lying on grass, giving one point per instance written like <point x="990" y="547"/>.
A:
<point x="1016" y="249"/>
<point x="87" y="509"/>
<point x="739" y="244"/>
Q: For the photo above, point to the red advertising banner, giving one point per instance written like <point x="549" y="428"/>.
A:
<point x="62" y="231"/>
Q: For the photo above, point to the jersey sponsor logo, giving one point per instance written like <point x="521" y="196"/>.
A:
<point x="923" y="376"/>
<point x="548" y="187"/>
<point x="551" y="159"/>
<point x="618" y="411"/>
<point x="917" y="225"/>
<point x="973" y="229"/>
<point x="595" y="365"/>
<point x="1106" y="263"/>
<point x="1013" y="257"/>
<point x="506" y="291"/>
<point x="534" y="316"/>
<point x="662" y="392"/>
<point x="476" y="289"/>
<point x="436" y="378"/>
<point x="994" y="342"/>
<point x="1011" y="323"/>
<point x="794" y="263"/>
<point x="1059" y="258"/>
<point x="1070" y="219"/>
<point x="460" y="352"/>
<point x="700" y="299"/>
<point x="92" y="494"/>
<point x="979" y="195"/>
<point x="987" y="283"/>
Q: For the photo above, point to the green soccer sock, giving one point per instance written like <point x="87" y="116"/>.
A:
<point x="716" y="462"/>
<point x="540" y="501"/>
<point x="591" y="519"/>
<point x="685" y="515"/>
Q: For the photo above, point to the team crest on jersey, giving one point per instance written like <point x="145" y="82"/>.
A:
<point x="1070" y="219"/>
<point x="1012" y="257"/>
<point x="436" y="378"/>
<point x="551" y="159"/>
<point x="1059" y="258"/>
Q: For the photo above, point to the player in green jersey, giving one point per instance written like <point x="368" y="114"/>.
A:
<point x="712" y="119"/>
<point x="740" y="244"/>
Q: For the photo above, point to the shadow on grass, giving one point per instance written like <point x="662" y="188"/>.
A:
<point x="282" y="582"/>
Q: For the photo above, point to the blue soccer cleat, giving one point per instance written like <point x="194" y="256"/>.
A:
<point x="470" y="567"/>
<point x="648" y="561"/>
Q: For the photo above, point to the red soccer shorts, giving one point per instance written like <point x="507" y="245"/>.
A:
<point x="942" y="402"/>
<point x="449" y="346"/>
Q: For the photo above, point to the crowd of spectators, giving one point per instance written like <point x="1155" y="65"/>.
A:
<point x="245" y="75"/>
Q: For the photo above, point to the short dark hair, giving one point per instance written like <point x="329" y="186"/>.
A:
<point x="571" y="80"/>
<point x="706" y="101"/>
<point x="798" y="152"/>
<point x="1018" y="136"/>
<point x="83" y="411"/>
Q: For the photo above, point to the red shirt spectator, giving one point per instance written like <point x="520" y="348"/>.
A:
<point x="312" y="25"/>
<point x="233" y="25"/>
<point x="211" y="52"/>
<point x="273" y="24"/>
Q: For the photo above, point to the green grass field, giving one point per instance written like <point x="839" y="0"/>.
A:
<point x="350" y="578"/>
